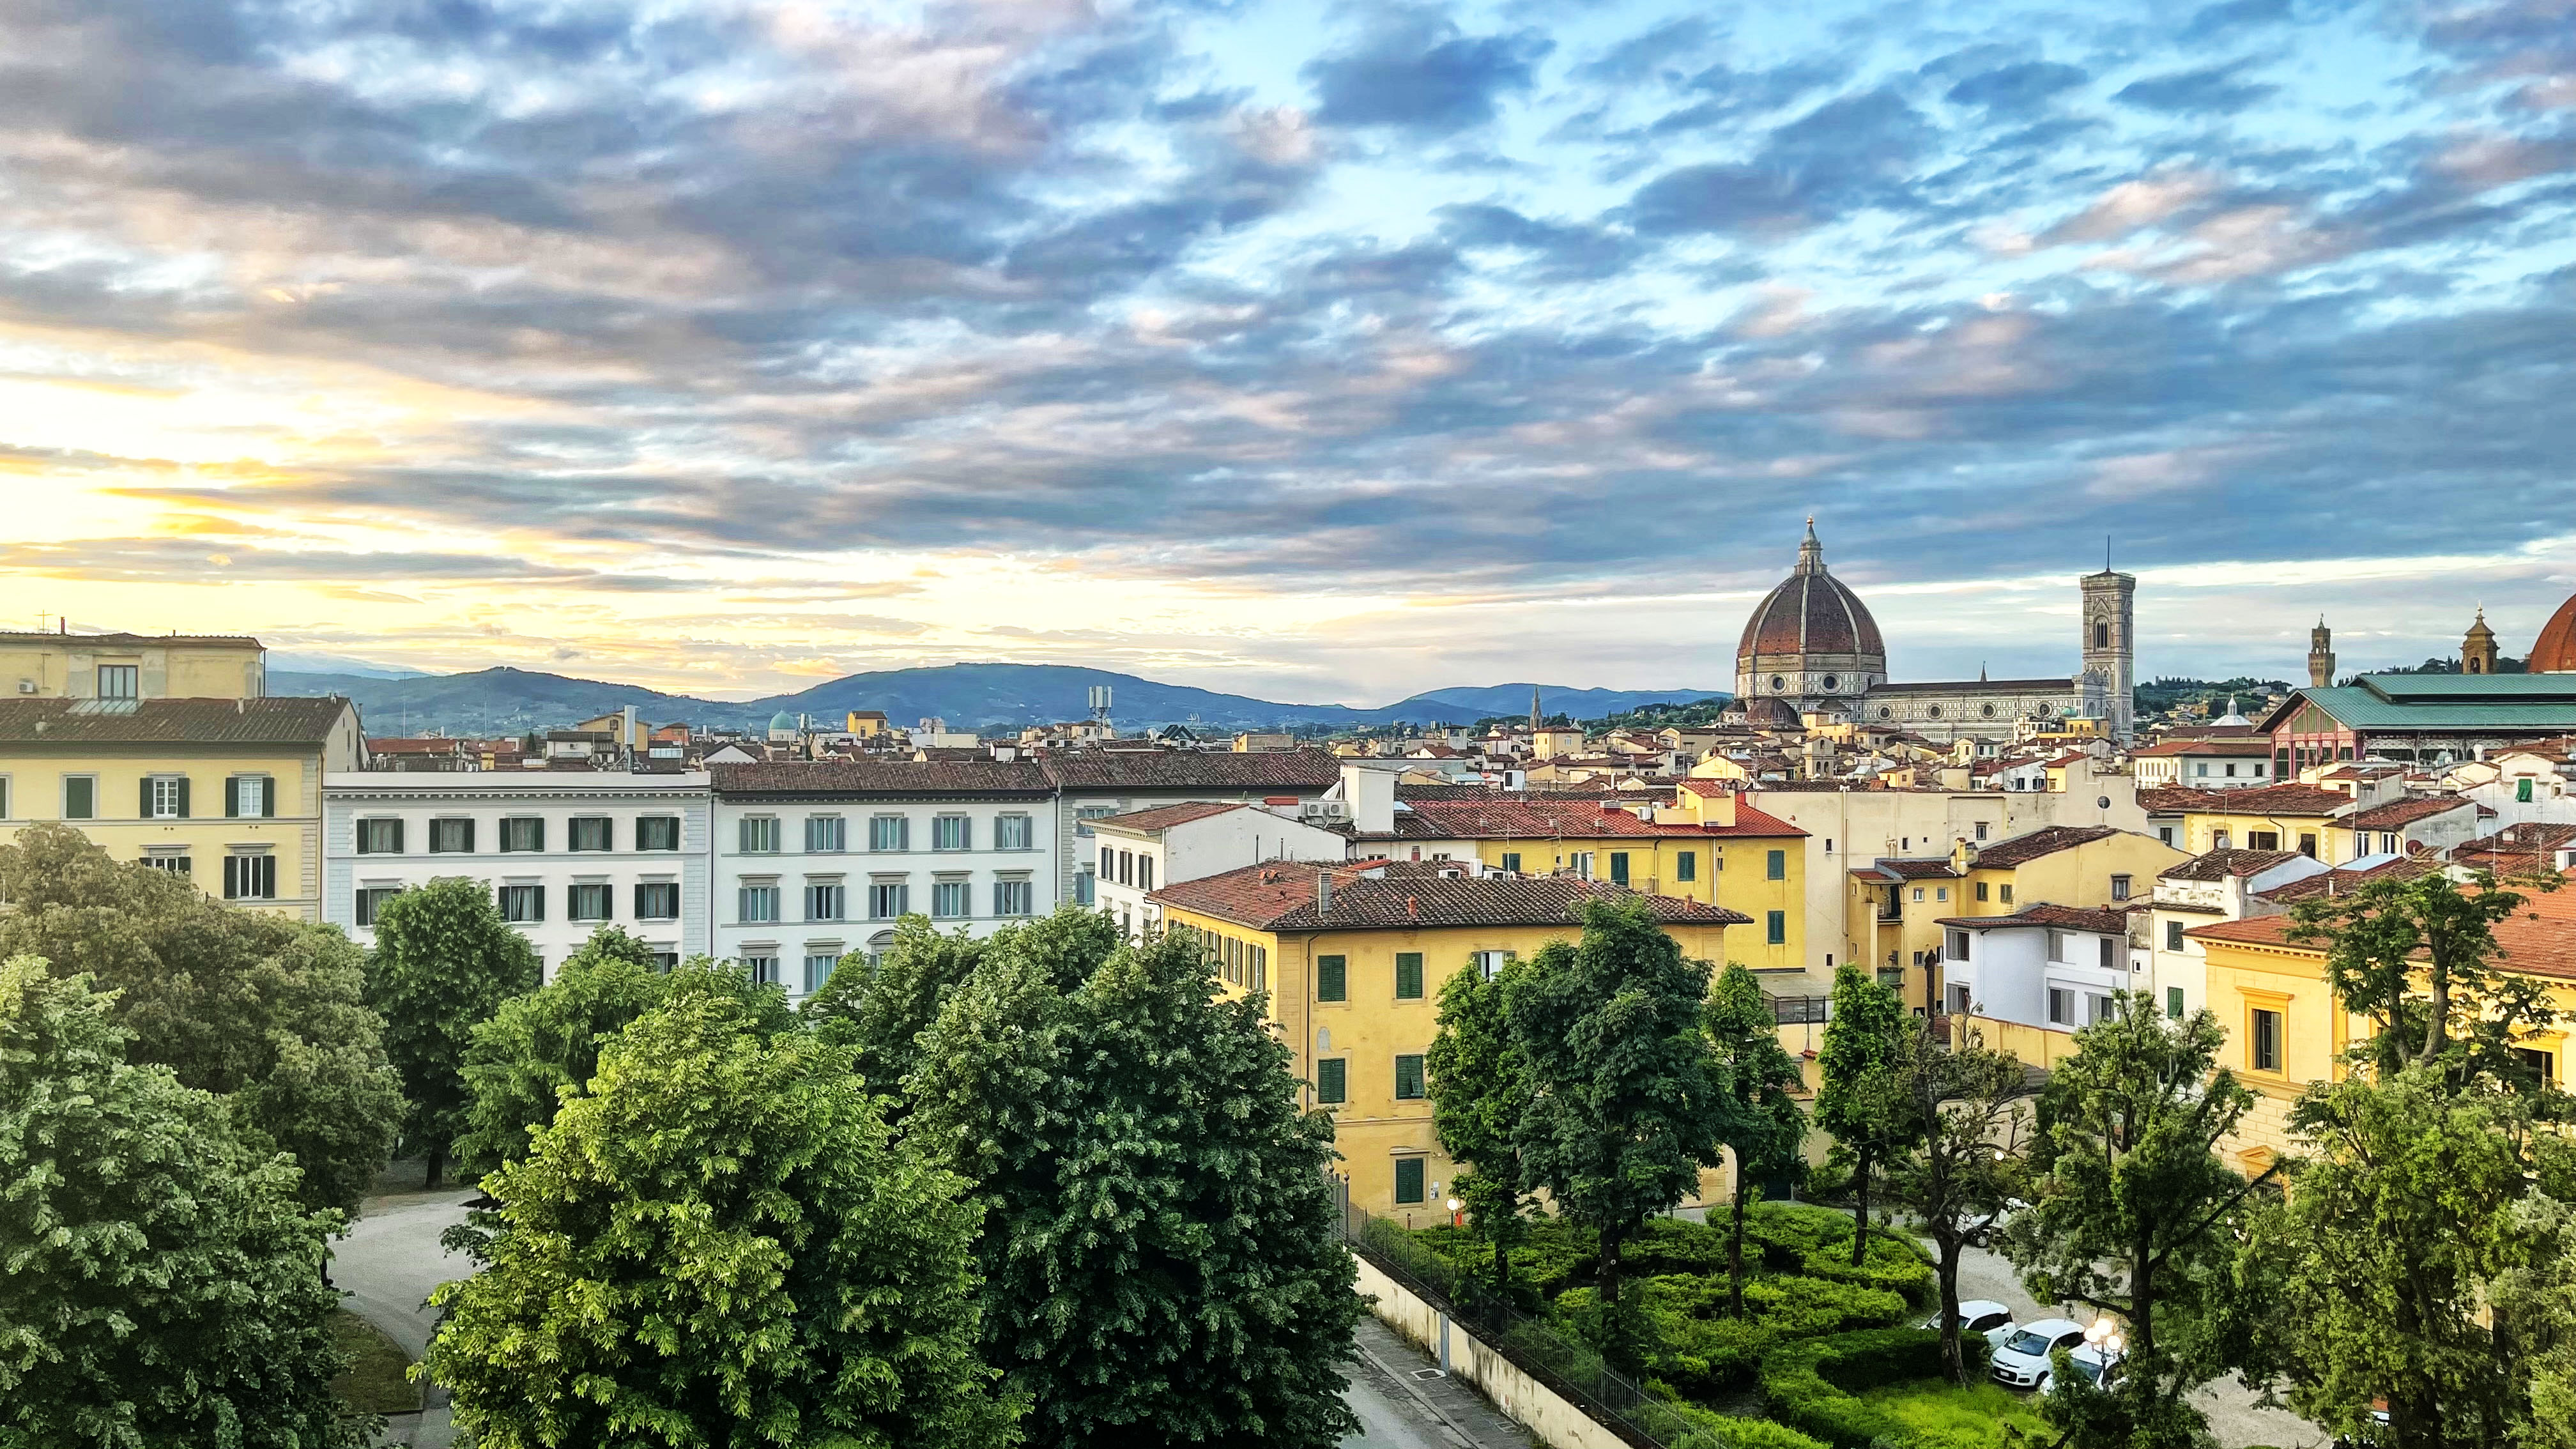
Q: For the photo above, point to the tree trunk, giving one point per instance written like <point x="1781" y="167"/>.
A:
<point x="1502" y="1266"/>
<point x="1953" y="1361"/>
<point x="2440" y="1015"/>
<point x="1610" y="1269"/>
<point x="437" y="1166"/>
<point x="1860" y="1208"/>
<point x="1735" y="1249"/>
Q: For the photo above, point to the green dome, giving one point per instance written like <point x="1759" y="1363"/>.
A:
<point x="782" y="721"/>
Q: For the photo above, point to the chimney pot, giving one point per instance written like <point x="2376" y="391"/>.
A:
<point x="1413" y="907"/>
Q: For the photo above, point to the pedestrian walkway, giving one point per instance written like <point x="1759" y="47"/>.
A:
<point x="1405" y="1402"/>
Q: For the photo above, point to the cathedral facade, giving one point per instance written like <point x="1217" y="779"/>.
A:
<point x="1811" y="647"/>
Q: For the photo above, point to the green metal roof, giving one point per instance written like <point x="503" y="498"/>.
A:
<point x="2471" y="688"/>
<point x="2358" y="706"/>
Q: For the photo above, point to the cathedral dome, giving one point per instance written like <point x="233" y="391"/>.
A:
<point x="2554" y="652"/>
<point x="1810" y="637"/>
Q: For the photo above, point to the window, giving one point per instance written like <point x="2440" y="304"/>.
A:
<point x="451" y="837"/>
<point x="1981" y="890"/>
<point x="1126" y="867"/>
<point x="1512" y="861"/>
<point x="2542" y="1064"/>
<point x="1891" y="976"/>
<point x="887" y="899"/>
<point x="591" y="832"/>
<point x="1686" y="865"/>
<point x="1408" y="976"/>
<point x="2231" y="771"/>
<point x="2061" y="1006"/>
<point x="1957" y="949"/>
<point x="1332" y="1080"/>
<point x="1961" y="1001"/>
<point x="890" y="832"/>
<point x="828" y="901"/>
<point x="1918" y="893"/>
<point x="250" y="877"/>
<point x="1408" y="1079"/>
<point x="2308" y="844"/>
<point x="591" y="901"/>
<point x="758" y="903"/>
<point x="371" y="902"/>
<point x="80" y="797"/>
<point x="819" y="966"/>
<point x="2173" y="1003"/>
<point x="523" y="834"/>
<point x="1490" y="964"/>
<point x="826" y="835"/>
<point x="120" y="681"/>
<point x="380" y="837"/>
<point x="950" y="899"/>
<point x="1256" y="967"/>
<point x="2164" y="833"/>
<point x="2110" y="954"/>
<point x="1083" y="815"/>
<point x="2101" y="636"/>
<point x="2267" y="1040"/>
<point x="2006" y="892"/>
<point x="1332" y="979"/>
<point x="246" y="797"/>
<point x="2262" y="840"/>
<point x="762" y="969"/>
<point x="1981" y="830"/>
<point x="2173" y="935"/>
<point x="1085" y="886"/>
<point x="657" y="900"/>
<point x="657" y="832"/>
<point x="952" y="832"/>
<point x="1582" y="862"/>
<point x="173" y="859"/>
<point x="1940" y="893"/>
<point x="1776" y="928"/>
<point x="665" y="962"/>
<point x="2218" y="838"/>
<point x="165" y="797"/>
<point x="1144" y="872"/>
<point x="1618" y="867"/>
<point x="758" y="835"/>
<point x="1776" y="866"/>
<point x="1014" y="832"/>
<point x="1408" y="1179"/>
<point x="2119" y="887"/>
<point x="2098" y="1008"/>
<point x="2061" y="946"/>
<point x="1015" y="898"/>
<point x="523" y="903"/>
<point x="1829" y="845"/>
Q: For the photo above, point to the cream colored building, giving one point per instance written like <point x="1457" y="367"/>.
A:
<point x="131" y="666"/>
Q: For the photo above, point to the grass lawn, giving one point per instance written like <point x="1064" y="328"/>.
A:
<point x="374" y="1383"/>
<point x="1972" y="1418"/>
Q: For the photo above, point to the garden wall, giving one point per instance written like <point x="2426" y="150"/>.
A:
<point x="1542" y="1410"/>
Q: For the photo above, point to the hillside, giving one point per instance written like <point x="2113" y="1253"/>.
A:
<point x="977" y="696"/>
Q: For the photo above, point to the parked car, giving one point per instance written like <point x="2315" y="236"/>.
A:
<point x="1981" y="1315"/>
<point x="2021" y="1360"/>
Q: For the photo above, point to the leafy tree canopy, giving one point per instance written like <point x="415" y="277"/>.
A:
<point x="444" y="961"/>
<point x="1957" y="1176"/>
<point x="1163" y="1262"/>
<point x="1862" y="1101"/>
<point x="1764" y="1126"/>
<point x="1480" y="1091"/>
<point x="266" y="1011"/>
<point x="535" y="1045"/>
<point x="722" y="1243"/>
<point x="163" y="1283"/>
<point x="881" y="1006"/>
<point x="2418" y="956"/>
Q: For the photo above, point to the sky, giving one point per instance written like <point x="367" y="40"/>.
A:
<point x="1312" y="351"/>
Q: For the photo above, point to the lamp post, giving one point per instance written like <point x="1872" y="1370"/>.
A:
<point x="2104" y="1338"/>
<point x="1455" y="1205"/>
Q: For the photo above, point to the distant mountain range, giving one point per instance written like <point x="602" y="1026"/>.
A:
<point x="967" y="696"/>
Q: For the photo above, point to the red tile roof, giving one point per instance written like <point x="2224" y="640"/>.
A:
<point x="2226" y="864"/>
<point x="2538" y="940"/>
<point x="2068" y="918"/>
<point x="1281" y="896"/>
<point x="2335" y="882"/>
<point x="2031" y="845"/>
<point x="2237" y="747"/>
<point x="283" y="720"/>
<point x="1191" y="770"/>
<point x="1525" y="819"/>
<point x="883" y="778"/>
<point x="1936" y="867"/>
<point x="1163" y="817"/>
<point x="2397" y="813"/>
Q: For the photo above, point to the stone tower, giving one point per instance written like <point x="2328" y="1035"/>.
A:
<point x="2321" y="659"/>
<point x="2478" y="650"/>
<point x="2110" y="648"/>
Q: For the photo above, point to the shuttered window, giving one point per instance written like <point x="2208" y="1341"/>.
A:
<point x="1331" y="979"/>
<point x="1332" y="1080"/>
<point x="1408" y="976"/>
<point x="1408" y="1078"/>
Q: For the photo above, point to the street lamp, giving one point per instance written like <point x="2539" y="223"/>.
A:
<point x="1455" y="1205"/>
<point x="2104" y="1337"/>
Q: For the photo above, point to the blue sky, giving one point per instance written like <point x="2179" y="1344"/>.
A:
<point x="1313" y="351"/>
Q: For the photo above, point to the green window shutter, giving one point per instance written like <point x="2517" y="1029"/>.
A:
<point x="1331" y="979"/>
<point x="1778" y="929"/>
<point x="1408" y="1179"/>
<point x="1778" y="866"/>
<point x="1408" y="1078"/>
<point x="183" y="797"/>
<point x="1512" y="861"/>
<point x="1686" y="865"/>
<point x="143" y="811"/>
<point x="232" y="796"/>
<point x="1618" y="867"/>
<point x="1408" y="975"/>
<point x="268" y="795"/>
<point x="1332" y="1080"/>
<point x="2173" y="1002"/>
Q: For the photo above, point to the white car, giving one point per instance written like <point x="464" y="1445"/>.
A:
<point x="1980" y="1315"/>
<point x="2021" y="1360"/>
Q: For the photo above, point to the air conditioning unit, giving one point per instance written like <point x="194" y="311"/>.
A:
<point x="26" y="686"/>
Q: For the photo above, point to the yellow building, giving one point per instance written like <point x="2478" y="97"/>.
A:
<point x="1354" y="958"/>
<point x="867" y="724"/>
<point x="227" y="792"/>
<point x="1549" y="741"/>
<point x="131" y="666"/>
<point x="1895" y="906"/>
<point x="1708" y="847"/>
<point x="2267" y="817"/>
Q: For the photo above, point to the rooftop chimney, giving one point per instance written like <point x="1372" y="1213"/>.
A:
<point x="1323" y="892"/>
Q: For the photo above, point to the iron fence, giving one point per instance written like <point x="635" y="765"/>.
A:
<point x="1573" y="1370"/>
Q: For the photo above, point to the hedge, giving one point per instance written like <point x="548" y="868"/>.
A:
<point x="1779" y="1238"/>
<point x="1807" y="1384"/>
<point x="1710" y="1429"/>
<point x="1697" y="1345"/>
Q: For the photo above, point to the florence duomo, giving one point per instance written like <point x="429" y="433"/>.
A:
<point x="1812" y="648"/>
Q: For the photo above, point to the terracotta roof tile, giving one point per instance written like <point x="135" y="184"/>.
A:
<point x="2071" y="918"/>
<point x="2226" y="864"/>
<point x="1163" y="817"/>
<point x="1192" y="770"/>
<point x="2338" y="881"/>
<point x="2538" y="940"/>
<point x="283" y="720"/>
<point x="121" y="641"/>
<point x="1282" y="897"/>
<point x="2031" y="845"/>
<point x="883" y="778"/>
<point x="2395" y="813"/>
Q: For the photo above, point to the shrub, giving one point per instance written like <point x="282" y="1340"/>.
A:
<point x="1710" y="1429"/>
<point x="1694" y="1342"/>
<point x="1807" y="1384"/>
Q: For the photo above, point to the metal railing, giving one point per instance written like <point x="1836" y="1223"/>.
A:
<point x="1799" y="1010"/>
<point x="1574" y="1371"/>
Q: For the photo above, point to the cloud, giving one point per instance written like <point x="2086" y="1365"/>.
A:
<point x="2016" y="89"/>
<point x="1412" y="70"/>
<point x="1848" y="153"/>
<point x="2230" y="16"/>
<point x="2209" y="90"/>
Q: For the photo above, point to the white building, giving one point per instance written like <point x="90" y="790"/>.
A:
<point x="564" y="851"/>
<point x="815" y="860"/>
<point x="1141" y="852"/>
<point x="1093" y="785"/>
<point x="2052" y="968"/>
<point x="2226" y="763"/>
<point x="2213" y="886"/>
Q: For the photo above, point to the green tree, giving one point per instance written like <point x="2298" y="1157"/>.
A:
<point x="1162" y="1256"/>
<point x="444" y="961"/>
<point x="1957" y="1176"/>
<point x="163" y="1283"/>
<point x="1626" y="1105"/>
<point x="2382" y="1270"/>
<point x="2538" y="1297"/>
<point x="882" y="1006"/>
<point x="2418" y="957"/>
<point x="1480" y="1090"/>
<point x="721" y="1243"/>
<point x="1861" y="1103"/>
<point x="520" y="1060"/>
<point x="1765" y="1127"/>
<point x="267" y="1012"/>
